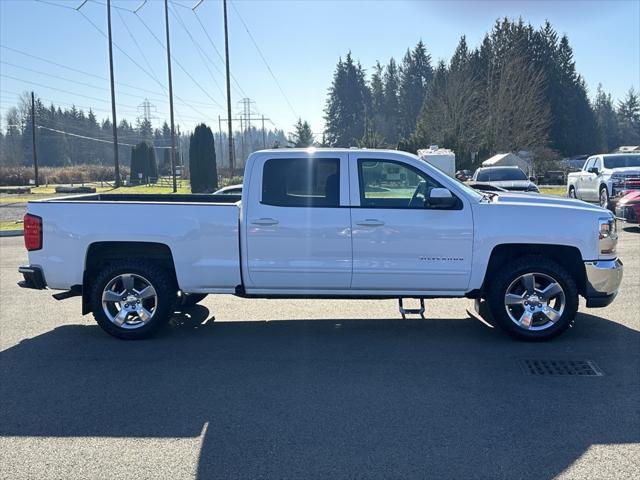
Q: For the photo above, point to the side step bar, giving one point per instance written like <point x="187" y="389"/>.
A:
<point x="411" y="311"/>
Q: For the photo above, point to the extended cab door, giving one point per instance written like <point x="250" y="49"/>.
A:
<point x="297" y="222"/>
<point x="399" y="243"/>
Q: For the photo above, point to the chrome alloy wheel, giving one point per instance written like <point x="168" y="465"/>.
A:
<point x="604" y="198"/>
<point x="129" y="301"/>
<point x="535" y="301"/>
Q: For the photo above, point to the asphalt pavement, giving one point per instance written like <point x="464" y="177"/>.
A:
<point x="238" y="388"/>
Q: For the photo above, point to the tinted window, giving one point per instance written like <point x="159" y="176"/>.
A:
<point x="500" y="174"/>
<point x="387" y="184"/>
<point x="589" y="164"/>
<point x="620" y="161"/>
<point x="301" y="182"/>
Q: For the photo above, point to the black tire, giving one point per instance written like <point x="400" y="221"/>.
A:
<point x="190" y="299"/>
<point x="164" y="301"/>
<point x="572" y="192"/>
<point x="499" y="286"/>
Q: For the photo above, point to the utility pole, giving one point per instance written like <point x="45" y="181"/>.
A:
<point x="113" y="98"/>
<point x="33" y="138"/>
<point x="220" y="140"/>
<point x="173" y="129"/>
<point x="241" y="139"/>
<point x="226" y="54"/>
<point x="264" y="138"/>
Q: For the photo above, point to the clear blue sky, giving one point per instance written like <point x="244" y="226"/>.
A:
<point x="301" y="41"/>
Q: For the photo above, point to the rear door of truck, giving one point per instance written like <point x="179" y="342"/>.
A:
<point x="297" y="222"/>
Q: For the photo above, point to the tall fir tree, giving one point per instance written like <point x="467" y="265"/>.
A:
<point x="302" y="136"/>
<point x="416" y="74"/>
<point x="347" y="104"/>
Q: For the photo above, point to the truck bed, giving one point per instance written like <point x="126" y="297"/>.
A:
<point x="147" y="198"/>
<point x="201" y="232"/>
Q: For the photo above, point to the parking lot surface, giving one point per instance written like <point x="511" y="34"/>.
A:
<point x="239" y="388"/>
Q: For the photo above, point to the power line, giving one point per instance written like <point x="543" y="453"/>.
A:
<point x="216" y="50"/>
<point x="76" y="70"/>
<point x="201" y="53"/>
<point x="178" y="63"/>
<point x="144" y="57"/>
<point x="255" y="44"/>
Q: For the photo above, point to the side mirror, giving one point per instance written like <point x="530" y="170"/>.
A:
<point x="440" y="198"/>
<point x="532" y="179"/>
<point x="594" y="170"/>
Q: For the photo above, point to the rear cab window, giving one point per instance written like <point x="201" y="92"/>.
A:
<point x="301" y="182"/>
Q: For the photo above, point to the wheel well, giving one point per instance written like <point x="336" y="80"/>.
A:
<point x="100" y="254"/>
<point x="569" y="257"/>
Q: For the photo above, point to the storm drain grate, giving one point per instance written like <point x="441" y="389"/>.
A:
<point x="561" y="368"/>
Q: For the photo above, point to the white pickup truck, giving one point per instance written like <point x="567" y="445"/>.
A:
<point x="605" y="177"/>
<point x="328" y="223"/>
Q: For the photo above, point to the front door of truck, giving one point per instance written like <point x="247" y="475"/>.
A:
<point x="398" y="242"/>
<point x="298" y="229"/>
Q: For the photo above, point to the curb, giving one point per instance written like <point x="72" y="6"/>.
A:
<point x="11" y="233"/>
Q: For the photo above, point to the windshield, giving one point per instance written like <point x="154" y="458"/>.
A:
<point x="500" y="174"/>
<point x="621" y="161"/>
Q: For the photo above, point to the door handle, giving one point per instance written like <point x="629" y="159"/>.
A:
<point x="264" y="221"/>
<point x="370" y="222"/>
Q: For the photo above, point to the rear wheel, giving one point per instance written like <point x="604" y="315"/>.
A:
<point x="533" y="298"/>
<point x="132" y="299"/>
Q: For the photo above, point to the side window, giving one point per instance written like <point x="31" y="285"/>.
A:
<point x="598" y="164"/>
<point x="388" y="184"/>
<point x="301" y="182"/>
<point x="589" y="164"/>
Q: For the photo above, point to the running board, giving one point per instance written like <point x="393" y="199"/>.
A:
<point x="67" y="294"/>
<point x="411" y="311"/>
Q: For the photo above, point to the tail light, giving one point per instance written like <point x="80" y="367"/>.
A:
<point x="32" y="232"/>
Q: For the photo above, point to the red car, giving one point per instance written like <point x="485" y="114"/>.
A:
<point x="628" y="207"/>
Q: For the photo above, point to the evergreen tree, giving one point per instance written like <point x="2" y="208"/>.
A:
<point x="202" y="161"/>
<point x="607" y="120"/>
<point x="629" y="115"/>
<point x="391" y="108"/>
<point x="347" y="104"/>
<point x="416" y="74"/>
<point x="302" y="136"/>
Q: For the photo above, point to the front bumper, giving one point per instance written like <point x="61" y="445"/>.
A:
<point x="33" y="277"/>
<point x="603" y="280"/>
<point x="627" y="213"/>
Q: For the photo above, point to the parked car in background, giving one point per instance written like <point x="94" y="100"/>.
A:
<point x="628" y="207"/>
<point x="464" y="175"/>
<point x="507" y="178"/>
<point x="230" y="190"/>
<point x="604" y="178"/>
<point x="552" y="177"/>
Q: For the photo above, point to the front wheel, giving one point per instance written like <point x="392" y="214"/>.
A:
<point x="533" y="298"/>
<point x="132" y="299"/>
<point x="604" y="197"/>
<point x="572" y="192"/>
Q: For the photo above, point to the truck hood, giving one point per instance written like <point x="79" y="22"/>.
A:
<point x="546" y="201"/>
<point x="511" y="184"/>
<point x="626" y="170"/>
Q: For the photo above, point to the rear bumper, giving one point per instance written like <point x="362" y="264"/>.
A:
<point x="603" y="280"/>
<point x="33" y="277"/>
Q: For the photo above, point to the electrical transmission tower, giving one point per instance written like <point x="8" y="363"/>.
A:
<point x="145" y="108"/>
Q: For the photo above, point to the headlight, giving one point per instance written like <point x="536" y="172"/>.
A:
<point x="608" y="235"/>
